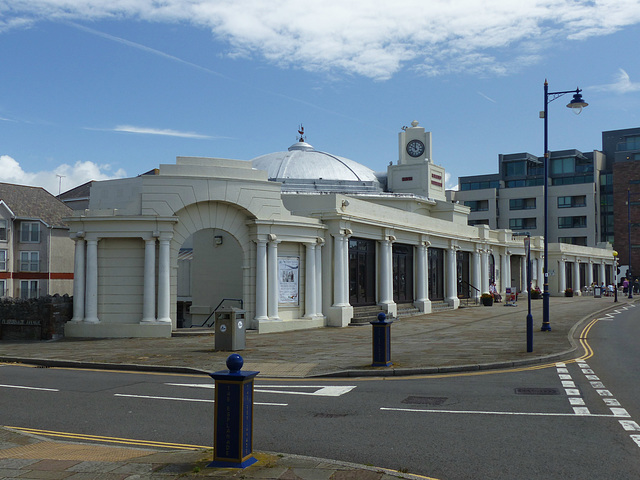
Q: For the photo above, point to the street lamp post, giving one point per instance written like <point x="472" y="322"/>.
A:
<point x="629" y="273"/>
<point x="615" y="276"/>
<point x="577" y="104"/>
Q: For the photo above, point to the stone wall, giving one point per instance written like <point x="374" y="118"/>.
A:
<point x="34" y="319"/>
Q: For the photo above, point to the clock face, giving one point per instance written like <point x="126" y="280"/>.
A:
<point x="415" y="148"/>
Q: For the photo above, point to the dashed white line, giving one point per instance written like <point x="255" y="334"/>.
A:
<point x="31" y="388"/>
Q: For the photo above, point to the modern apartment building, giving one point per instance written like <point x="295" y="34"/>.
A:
<point x="36" y="253"/>
<point x="514" y="198"/>
<point x="593" y="197"/>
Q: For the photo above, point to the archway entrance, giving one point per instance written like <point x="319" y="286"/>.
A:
<point x="209" y="273"/>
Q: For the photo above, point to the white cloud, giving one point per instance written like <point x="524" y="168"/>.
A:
<point x="158" y="131"/>
<point x="372" y="38"/>
<point x="622" y="84"/>
<point x="63" y="177"/>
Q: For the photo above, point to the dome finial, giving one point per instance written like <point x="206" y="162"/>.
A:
<point x="301" y="132"/>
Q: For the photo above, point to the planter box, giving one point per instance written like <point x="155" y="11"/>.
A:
<point x="487" y="302"/>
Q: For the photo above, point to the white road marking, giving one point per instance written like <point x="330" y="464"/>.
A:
<point x="597" y="384"/>
<point x="592" y="377"/>
<point x="581" y="411"/>
<point x="636" y="438"/>
<point x="322" y="390"/>
<point x="568" y="384"/>
<point x="611" y="402"/>
<point x="191" y="399"/>
<point x="576" y="401"/>
<point x="630" y="425"/>
<point x="619" y="412"/>
<point x="604" y="393"/>
<point x="31" y="388"/>
<point x="572" y="392"/>
<point x="472" y="412"/>
<point x="564" y="376"/>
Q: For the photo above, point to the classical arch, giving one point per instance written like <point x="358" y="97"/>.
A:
<point x="222" y="256"/>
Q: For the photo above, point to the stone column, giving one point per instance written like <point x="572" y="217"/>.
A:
<point x="421" y="276"/>
<point x="505" y="278"/>
<point x="149" y="293"/>
<point x="261" y="280"/>
<point x="164" y="281"/>
<point x="541" y="272"/>
<point x="589" y="273"/>
<point x="477" y="273"/>
<point x="91" y="300"/>
<point x="272" y="276"/>
<point x="484" y="287"/>
<point x="386" y="273"/>
<point x="576" y="277"/>
<point x="523" y="274"/>
<point x="451" y="278"/>
<point x="562" y="280"/>
<point x="602" y="274"/>
<point x="319" y="277"/>
<point x="79" y="281"/>
<point x="310" y="280"/>
<point x="340" y="269"/>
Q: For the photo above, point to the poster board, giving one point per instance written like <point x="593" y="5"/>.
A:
<point x="288" y="280"/>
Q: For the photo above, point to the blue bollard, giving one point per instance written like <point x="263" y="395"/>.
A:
<point x="382" y="341"/>
<point x="233" y="418"/>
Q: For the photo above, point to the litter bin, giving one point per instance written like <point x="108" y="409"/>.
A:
<point x="230" y="329"/>
<point x="597" y="292"/>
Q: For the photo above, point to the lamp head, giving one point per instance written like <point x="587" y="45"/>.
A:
<point x="577" y="103"/>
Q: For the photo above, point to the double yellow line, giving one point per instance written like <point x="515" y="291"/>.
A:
<point x="98" y="438"/>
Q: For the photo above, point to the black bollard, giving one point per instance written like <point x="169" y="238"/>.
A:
<point x="382" y="341"/>
<point x="233" y="418"/>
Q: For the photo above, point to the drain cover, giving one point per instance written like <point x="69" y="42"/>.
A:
<point x="329" y="415"/>
<point x="537" y="391"/>
<point x="425" y="400"/>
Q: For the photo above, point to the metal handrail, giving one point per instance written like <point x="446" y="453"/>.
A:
<point x="216" y="309"/>
<point x="475" y="297"/>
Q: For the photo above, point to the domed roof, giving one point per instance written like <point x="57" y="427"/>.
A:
<point x="303" y="168"/>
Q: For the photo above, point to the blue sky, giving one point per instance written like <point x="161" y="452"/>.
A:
<point x="96" y="89"/>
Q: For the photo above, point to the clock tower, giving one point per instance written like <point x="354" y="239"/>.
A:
<point x="415" y="172"/>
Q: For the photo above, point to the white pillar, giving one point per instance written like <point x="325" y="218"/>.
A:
<point x="310" y="280"/>
<point x="576" y="277"/>
<point x="386" y="273"/>
<point x="91" y="300"/>
<point x="78" y="281"/>
<point x="451" y="277"/>
<point x="319" y="279"/>
<point x="602" y="274"/>
<point x="505" y="280"/>
<point x="421" y="274"/>
<point x="261" y="280"/>
<point x="164" y="281"/>
<point x="508" y="272"/>
<point x="149" y="295"/>
<point x="540" y="272"/>
<point x="523" y="274"/>
<point x="477" y="274"/>
<point x="272" y="283"/>
<point x="340" y="270"/>
<point x="562" y="280"/>
<point x="484" y="287"/>
<point x="589" y="273"/>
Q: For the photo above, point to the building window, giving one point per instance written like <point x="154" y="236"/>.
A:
<point x="514" y="169"/>
<point x="3" y="230"/>
<point x="522" y="203"/>
<point x="28" y="289"/>
<point x="630" y="143"/>
<point x="574" y="240"/>
<point x="481" y="221"/>
<point x="477" y="205"/>
<point x="29" y="261"/>
<point x="572" y="222"/>
<point x="3" y="289"/>
<point x="3" y="260"/>
<point x="575" y="201"/>
<point x="522" y="223"/>
<point x="479" y="185"/>
<point x="30" y="232"/>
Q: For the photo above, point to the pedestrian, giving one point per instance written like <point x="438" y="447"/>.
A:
<point x="625" y="286"/>
<point x="636" y="286"/>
